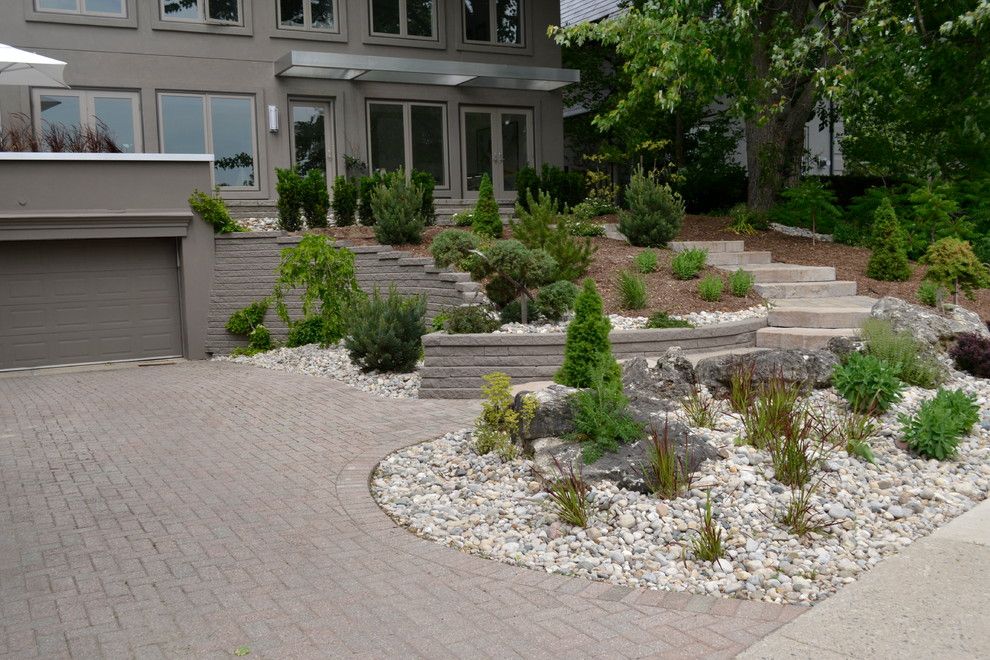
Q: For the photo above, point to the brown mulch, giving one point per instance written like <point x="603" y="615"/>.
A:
<point x="850" y="262"/>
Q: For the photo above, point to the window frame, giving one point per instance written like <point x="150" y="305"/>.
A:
<point x="81" y="11"/>
<point x="204" y="19"/>
<point x="307" y="27"/>
<point x="493" y="18"/>
<point x="126" y="20"/>
<point x="407" y="134"/>
<point x="87" y="106"/>
<point x="403" y="33"/>
<point x="207" y="98"/>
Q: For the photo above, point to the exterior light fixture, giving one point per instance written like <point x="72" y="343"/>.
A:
<point x="273" y="119"/>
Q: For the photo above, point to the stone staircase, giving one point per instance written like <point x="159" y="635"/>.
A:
<point x="808" y="305"/>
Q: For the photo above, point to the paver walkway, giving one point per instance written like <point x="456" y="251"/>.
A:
<point x="197" y="508"/>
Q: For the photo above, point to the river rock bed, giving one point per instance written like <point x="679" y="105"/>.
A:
<point x="620" y="322"/>
<point x="444" y="491"/>
<point x="333" y="362"/>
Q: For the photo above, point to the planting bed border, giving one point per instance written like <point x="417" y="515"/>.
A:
<point x="455" y="364"/>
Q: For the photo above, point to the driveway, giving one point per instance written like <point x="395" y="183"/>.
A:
<point x="198" y="508"/>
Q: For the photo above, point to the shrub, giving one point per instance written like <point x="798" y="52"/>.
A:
<point x="971" y="353"/>
<point x="469" y="319"/>
<point x="243" y="321"/>
<point x="655" y="211"/>
<point x="647" y="261"/>
<point x="426" y="183"/>
<point x="666" y="474"/>
<point x="453" y="247"/>
<point x="888" y="261"/>
<point x="486" y="220"/>
<point x="709" y="544"/>
<point x="259" y="341"/>
<point x="553" y="301"/>
<point x="662" y="320"/>
<point x="741" y="283"/>
<point x="214" y="211"/>
<point x="527" y="185"/>
<point x="309" y="330"/>
<point x="500" y="291"/>
<point x="931" y="294"/>
<point x="903" y="352"/>
<point x="710" y="288"/>
<point x="602" y="420"/>
<point x="385" y="333"/>
<point x="595" y="207"/>
<point x="952" y="264"/>
<point x="396" y="204"/>
<point x="940" y="423"/>
<point x="366" y="185"/>
<point x="632" y="291"/>
<point x="315" y="199"/>
<point x="541" y="227"/>
<point x="289" y="187"/>
<point x="587" y="347"/>
<point x="463" y="219"/>
<point x="687" y="264"/>
<point x="500" y="423"/>
<point x="867" y="383"/>
<point x="569" y="496"/>
<point x="326" y="275"/>
<point x="345" y="201"/>
<point x="741" y="222"/>
<point x="576" y="225"/>
<point x="517" y="270"/>
<point x="568" y="188"/>
<point x="809" y="204"/>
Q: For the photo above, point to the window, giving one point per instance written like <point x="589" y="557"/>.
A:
<point x="404" y="18"/>
<point x="223" y="125"/>
<point x="308" y="15"/>
<point x="410" y="136"/>
<point x="493" y="21"/>
<point x="202" y="11"/>
<point x="117" y="112"/>
<point x="86" y="7"/>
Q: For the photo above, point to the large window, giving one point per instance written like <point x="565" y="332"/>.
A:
<point x="411" y="136"/>
<point x="493" y="22"/>
<point x="404" y="18"/>
<point x="85" y="7"/>
<point x="308" y="15"/>
<point x="202" y="11"/>
<point x="223" y="125"/>
<point x="116" y="112"/>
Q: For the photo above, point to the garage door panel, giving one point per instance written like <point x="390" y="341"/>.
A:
<point x="66" y="302"/>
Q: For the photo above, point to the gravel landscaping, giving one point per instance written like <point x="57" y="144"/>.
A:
<point x="332" y="362"/>
<point x="444" y="491"/>
<point x="620" y="322"/>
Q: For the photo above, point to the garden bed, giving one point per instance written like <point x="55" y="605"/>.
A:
<point x="444" y="491"/>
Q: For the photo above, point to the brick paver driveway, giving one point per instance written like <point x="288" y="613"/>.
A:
<point x="197" y="508"/>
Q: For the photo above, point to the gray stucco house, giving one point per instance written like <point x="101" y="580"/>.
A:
<point x="453" y="87"/>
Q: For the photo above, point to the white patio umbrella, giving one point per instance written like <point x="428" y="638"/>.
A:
<point x="21" y="67"/>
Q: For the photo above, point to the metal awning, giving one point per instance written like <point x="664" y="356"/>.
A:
<point x="373" y="68"/>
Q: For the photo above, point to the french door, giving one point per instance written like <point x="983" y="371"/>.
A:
<point x="497" y="142"/>
<point x="312" y="137"/>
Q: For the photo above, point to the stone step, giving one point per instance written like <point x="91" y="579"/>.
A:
<point x="695" y="358"/>
<point x="709" y="246"/>
<point x="806" y="289"/>
<point x="818" y="317"/>
<point x="806" y="338"/>
<point x="738" y="258"/>
<point x="777" y="272"/>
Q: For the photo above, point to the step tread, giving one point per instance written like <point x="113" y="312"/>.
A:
<point x="810" y="332"/>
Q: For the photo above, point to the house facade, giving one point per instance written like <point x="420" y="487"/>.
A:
<point x="457" y="88"/>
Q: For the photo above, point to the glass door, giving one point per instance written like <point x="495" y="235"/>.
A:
<point x="312" y="137"/>
<point x="497" y="142"/>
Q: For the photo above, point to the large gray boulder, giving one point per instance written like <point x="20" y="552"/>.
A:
<point x="810" y="367"/>
<point x="928" y="325"/>
<point x="625" y="466"/>
<point x="554" y="415"/>
<point x="660" y="387"/>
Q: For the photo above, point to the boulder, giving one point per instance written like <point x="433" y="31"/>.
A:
<point x="813" y="368"/>
<point x="625" y="466"/>
<point x="928" y="325"/>
<point x="843" y="347"/>
<point x="659" y="387"/>
<point x="554" y="416"/>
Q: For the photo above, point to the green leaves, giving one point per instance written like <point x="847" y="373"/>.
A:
<point x="940" y="423"/>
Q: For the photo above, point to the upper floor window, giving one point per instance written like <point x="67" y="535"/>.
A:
<point x="493" y="22"/>
<point x="117" y="113"/>
<point x="404" y="18"/>
<point x="308" y="14"/>
<point x="202" y="11"/>
<point x="85" y="7"/>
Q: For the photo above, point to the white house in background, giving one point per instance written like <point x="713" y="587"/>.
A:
<point x="823" y="155"/>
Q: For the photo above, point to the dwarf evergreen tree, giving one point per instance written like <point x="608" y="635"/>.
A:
<point x="587" y="347"/>
<point x="486" y="220"/>
<point x="889" y="261"/>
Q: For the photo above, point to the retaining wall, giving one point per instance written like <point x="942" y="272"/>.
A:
<point x="244" y="271"/>
<point x="455" y="363"/>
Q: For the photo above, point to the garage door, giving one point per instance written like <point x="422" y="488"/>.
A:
<point x="80" y="301"/>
